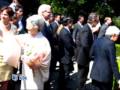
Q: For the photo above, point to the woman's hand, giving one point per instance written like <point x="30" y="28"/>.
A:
<point x="36" y="61"/>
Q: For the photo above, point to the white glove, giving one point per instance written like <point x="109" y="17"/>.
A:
<point x="119" y="83"/>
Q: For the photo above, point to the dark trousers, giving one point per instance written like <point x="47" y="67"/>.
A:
<point x="82" y="75"/>
<point x="15" y="85"/>
<point x="102" y="85"/>
<point x="65" y="70"/>
<point x="53" y="82"/>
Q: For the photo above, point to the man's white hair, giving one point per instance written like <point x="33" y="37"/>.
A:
<point x="43" y="7"/>
<point x="112" y="30"/>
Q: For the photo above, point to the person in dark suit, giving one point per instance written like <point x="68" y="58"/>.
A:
<point x="84" y="42"/>
<point x="107" y="23"/>
<point x="104" y="55"/>
<point x="54" y="25"/>
<point x="55" y="47"/>
<point x="44" y="11"/>
<point x="54" y="85"/>
<point x="66" y="45"/>
<point x="21" y="21"/>
<point x="78" y="26"/>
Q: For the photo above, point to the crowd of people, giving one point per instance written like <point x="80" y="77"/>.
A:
<point x="34" y="48"/>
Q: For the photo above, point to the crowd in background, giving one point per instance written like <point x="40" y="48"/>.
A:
<point x="41" y="44"/>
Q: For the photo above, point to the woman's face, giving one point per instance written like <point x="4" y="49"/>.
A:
<point x="4" y="16"/>
<point x="32" y="29"/>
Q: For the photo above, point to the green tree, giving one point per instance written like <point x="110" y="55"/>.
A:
<point x="75" y="7"/>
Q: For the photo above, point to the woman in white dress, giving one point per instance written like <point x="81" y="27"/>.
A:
<point x="36" y="55"/>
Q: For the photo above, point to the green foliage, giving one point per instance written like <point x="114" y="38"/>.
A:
<point x="103" y="9"/>
<point x="66" y="7"/>
<point x="116" y="21"/>
<point x="57" y="6"/>
<point x="75" y="7"/>
<point x="80" y="2"/>
<point x="118" y="50"/>
<point x="115" y="85"/>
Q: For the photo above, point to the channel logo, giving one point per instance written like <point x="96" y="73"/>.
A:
<point x="16" y="77"/>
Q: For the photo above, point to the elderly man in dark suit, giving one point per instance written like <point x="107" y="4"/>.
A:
<point x="84" y="42"/>
<point x="44" y="11"/>
<point x="104" y="54"/>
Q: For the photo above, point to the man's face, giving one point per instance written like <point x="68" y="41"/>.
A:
<point x="94" y="23"/>
<point x="109" y="21"/>
<point x="46" y="14"/>
<point x="58" y="18"/>
<point x="19" y="12"/>
<point x="114" y="37"/>
<point x="82" y="19"/>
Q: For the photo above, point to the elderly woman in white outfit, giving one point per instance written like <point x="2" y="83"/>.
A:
<point x="36" y="55"/>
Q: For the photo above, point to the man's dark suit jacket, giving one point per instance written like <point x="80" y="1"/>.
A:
<point x="77" y="28"/>
<point x="53" y="27"/>
<point x="84" y="40"/>
<point x="47" y="33"/>
<point x="55" y="45"/>
<point x="102" y="30"/>
<point x="104" y="65"/>
<point x="53" y="30"/>
<point x="23" y="20"/>
<point x="66" y="46"/>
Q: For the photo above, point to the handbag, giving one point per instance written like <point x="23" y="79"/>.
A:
<point x="4" y="85"/>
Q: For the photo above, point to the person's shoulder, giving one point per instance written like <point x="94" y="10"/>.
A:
<point x="44" y="41"/>
<point x="42" y="37"/>
<point x="76" y="24"/>
<point x="13" y="26"/>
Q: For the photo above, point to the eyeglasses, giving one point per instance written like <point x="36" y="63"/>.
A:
<point x="47" y="11"/>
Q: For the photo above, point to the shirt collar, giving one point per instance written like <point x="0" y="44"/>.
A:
<point x="90" y="26"/>
<point x="80" y="24"/>
<point x="57" y="22"/>
<point x="67" y="28"/>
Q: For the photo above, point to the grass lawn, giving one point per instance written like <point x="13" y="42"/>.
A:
<point x="118" y="62"/>
<point x="118" y="50"/>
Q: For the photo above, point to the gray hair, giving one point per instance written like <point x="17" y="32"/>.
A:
<point x="43" y="7"/>
<point x="92" y="17"/>
<point x="36" y="20"/>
